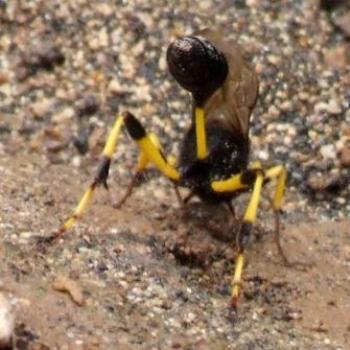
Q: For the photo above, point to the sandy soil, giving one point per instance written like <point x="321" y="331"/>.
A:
<point x="153" y="278"/>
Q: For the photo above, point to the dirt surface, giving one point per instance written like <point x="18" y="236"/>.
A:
<point x="152" y="275"/>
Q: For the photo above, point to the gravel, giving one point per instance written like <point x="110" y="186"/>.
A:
<point x="68" y="67"/>
<point x="58" y="68"/>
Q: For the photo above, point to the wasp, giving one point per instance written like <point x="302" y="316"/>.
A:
<point x="213" y="161"/>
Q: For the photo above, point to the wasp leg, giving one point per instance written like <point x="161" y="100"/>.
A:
<point x="232" y="210"/>
<point x="173" y="162"/>
<point x="234" y="219"/>
<point x="237" y="182"/>
<point x="143" y="162"/>
<point x="141" y="167"/>
<point x="278" y="172"/>
<point x="150" y="153"/>
<point x="100" y="178"/>
<point x="149" y="147"/>
<point x="248" y="178"/>
<point x="134" y="180"/>
<point x="189" y="197"/>
<point x="178" y="196"/>
<point x="244" y="234"/>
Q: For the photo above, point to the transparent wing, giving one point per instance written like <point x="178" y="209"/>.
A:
<point x="233" y="103"/>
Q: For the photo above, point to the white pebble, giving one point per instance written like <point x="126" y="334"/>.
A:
<point x="333" y="107"/>
<point x="64" y="116"/>
<point x="26" y="235"/>
<point x="328" y="151"/>
<point x="320" y="106"/>
<point x="263" y="155"/>
<point x="114" y="86"/>
<point x="7" y="322"/>
<point x="76" y="161"/>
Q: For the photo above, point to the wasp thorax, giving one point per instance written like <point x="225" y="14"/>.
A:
<point x="197" y="66"/>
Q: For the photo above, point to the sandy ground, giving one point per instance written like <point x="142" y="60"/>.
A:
<point x="151" y="275"/>
<point x="152" y="278"/>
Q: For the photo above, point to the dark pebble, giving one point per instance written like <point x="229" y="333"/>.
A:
<point x="101" y="267"/>
<point x="81" y="141"/>
<point x="330" y="5"/>
<point x="87" y="106"/>
<point x="5" y="128"/>
<point x="331" y="183"/>
<point x="46" y="58"/>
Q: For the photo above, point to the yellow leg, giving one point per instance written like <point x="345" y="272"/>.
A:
<point x="250" y="214"/>
<point x="100" y="178"/>
<point x="81" y="207"/>
<point x="149" y="147"/>
<point x="232" y="184"/>
<point x="237" y="182"/>
<point x="151" y="152"/>
<point x="110" y="145"/>
<point x="155" y="156"/>
<point x="253" y="175"/>
<point x="244" y="236"/>
<point x="236" y="282"/>
<point x="278" y="172"/>
<point x="142" y="164"/>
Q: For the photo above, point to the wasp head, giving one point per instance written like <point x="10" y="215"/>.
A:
<point x="197" y="66"/>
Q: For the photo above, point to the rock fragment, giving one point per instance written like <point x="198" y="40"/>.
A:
<point x="44" y="57"/>
<point x="337" y="57"/>
<point x="345" y="156"/>
<point x="343" y="22"/>
<point x="331" y="182"/>
<point x="88" y="105"/>
<point x="67" y="285"/>
<point x="7" y="323"/>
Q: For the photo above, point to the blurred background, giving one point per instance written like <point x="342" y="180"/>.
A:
<point x="67" y="68"/>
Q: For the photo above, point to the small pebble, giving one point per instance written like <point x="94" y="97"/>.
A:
<point x="328" y="151"/>
<point x="65" y="284"/>
<point x="7" y="323"/>
<point x="338" y="57"/>
<point x="343" y="22"/>
<point x="87" y="106"/>
<point x="345" y="156"/>
<point x="114" y="87"/>
<point x="41" y="108"/>
<point x="64" y="116"/>
<point x="333" y="107"/>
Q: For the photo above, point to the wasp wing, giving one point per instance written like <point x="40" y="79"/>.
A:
<point x="233" y="102"/>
